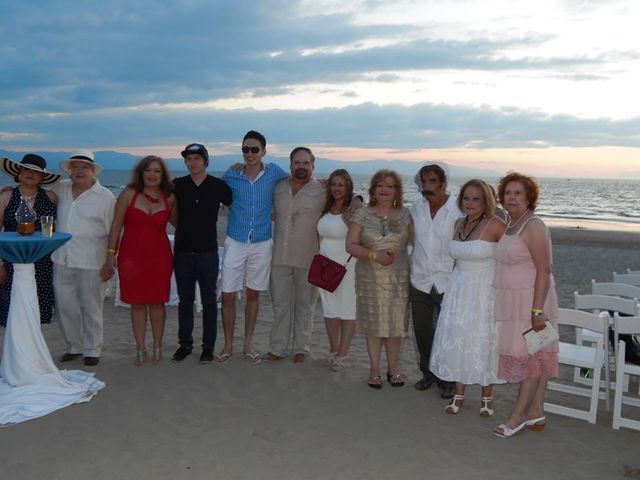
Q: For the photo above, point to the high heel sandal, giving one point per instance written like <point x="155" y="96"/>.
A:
<point x="453" y="408"/>
<point x="140" y="356"/>
<point x="536" y="424"/>
<point x="157" y="355"/>
<point x="396" y="380"/>
<point x="509" y="432"/>
<point x="485" y="410"/>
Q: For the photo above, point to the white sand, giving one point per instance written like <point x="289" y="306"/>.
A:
<point x="301" y="421"/>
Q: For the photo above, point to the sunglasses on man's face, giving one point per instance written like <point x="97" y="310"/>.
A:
<point x="253" y="150"/>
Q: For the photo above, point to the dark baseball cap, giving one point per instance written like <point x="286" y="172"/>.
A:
<point x="195" y="148"/>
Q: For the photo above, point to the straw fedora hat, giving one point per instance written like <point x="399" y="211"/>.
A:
<point x="81" y="155"/>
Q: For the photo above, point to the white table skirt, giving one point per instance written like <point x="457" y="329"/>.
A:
<point x="31" y="385"/>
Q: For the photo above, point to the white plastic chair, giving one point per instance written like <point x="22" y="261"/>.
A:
<point x="582" y="356"/>
<point x="601" y="304"/>
<point x="628" y="278"/>
<point x="633" y="272"/>
<point x="617" y="289"/>
<point x="628" y="325"/>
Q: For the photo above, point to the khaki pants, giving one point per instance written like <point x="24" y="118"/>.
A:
<point x="79" y="296"/>
<point x="294" y="301"/>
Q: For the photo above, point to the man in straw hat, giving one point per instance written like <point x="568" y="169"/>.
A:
<point x="85" y="210"/>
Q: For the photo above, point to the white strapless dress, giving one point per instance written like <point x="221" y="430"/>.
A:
<point x="465" y="346"/>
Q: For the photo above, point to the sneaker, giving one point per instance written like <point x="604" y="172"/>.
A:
<point x="206" y="356"/>
<point x="181" y="354"/>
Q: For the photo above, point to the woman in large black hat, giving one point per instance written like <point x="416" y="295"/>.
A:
<point x="30" y="174"/>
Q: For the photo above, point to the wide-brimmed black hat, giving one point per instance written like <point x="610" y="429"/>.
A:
<point x="30" y="161"/>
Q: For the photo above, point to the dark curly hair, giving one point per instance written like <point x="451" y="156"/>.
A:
<point x="137" y="178"/>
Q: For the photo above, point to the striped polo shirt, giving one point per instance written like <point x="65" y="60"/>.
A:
<point x="250" y="214"/>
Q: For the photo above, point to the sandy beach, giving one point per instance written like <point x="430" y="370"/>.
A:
<point x="301" y="421"/>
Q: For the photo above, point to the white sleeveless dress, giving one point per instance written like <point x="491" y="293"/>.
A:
<point x="333" y="236"/>
<point x="465" y="346"/>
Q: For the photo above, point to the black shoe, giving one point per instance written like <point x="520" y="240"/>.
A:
<point x="447" y="391"/>
<point x="67" y="357"/>
<point x="181" y="354"/>
<point x="206" y="356"/>
<point x="91" y="361"/>
<point x="425" y="382"/>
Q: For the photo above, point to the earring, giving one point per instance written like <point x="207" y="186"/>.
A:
<point x="395" y="202"/>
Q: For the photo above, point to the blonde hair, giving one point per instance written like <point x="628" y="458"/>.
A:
<point x="489" y="199"/>
<point x="378" y="177"/>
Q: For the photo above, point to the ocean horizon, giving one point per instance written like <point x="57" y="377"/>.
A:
<point x="568" y="202"/>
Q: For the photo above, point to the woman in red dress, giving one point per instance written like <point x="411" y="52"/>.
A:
<point x="144" y="257"/>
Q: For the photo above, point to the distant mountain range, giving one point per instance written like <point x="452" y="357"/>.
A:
<point x="125" y="161"/>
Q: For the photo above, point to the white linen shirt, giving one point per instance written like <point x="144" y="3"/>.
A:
<point x="88" y="219"/>
<point x="431" y="263"/>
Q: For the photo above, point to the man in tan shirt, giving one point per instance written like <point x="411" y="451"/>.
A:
<point x="297" y="204"/>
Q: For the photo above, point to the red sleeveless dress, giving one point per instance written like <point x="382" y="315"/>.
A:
<point x="145" y="260"/>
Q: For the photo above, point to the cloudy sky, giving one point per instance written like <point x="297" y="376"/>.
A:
<point x="548" y="87"/>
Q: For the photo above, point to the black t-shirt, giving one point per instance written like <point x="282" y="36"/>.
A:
<point x="198" y="213"/>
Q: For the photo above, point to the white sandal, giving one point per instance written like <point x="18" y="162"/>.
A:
<point x="509" y="432"/>
<point x="339" y="363"/>
<point x="485" y="411"/>
<point x="452" y="408"/>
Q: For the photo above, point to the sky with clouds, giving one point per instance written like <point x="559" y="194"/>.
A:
<point x="548" y="87"/>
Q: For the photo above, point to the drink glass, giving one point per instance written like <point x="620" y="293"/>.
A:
<point x="46" y="222"/>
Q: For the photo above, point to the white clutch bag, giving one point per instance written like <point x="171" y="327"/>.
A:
<point x="538" y="340"/>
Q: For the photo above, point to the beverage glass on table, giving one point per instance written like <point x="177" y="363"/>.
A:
<point x="46" y="222"/>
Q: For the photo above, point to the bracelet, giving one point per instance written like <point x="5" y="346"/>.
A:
<point x="372" y="256"/>
<point x="536" y="312"/>
<point x="110" y="250"/>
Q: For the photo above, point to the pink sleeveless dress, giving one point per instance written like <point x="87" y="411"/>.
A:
<point x="514" y="282"/>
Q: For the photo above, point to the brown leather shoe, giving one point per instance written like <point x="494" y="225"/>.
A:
<point x="271" y="358"/>
<point x="67" y="357"/>
<point x="298" y="358"/>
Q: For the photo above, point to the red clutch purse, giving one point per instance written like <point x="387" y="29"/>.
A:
<point x="325" y="273"/>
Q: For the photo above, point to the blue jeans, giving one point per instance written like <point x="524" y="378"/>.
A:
<point x="189" y="269"/>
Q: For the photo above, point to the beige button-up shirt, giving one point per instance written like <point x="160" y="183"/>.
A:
<point x="431" y="263"/>
<point x="88" y="219"/>
<point x="295" y="238"/>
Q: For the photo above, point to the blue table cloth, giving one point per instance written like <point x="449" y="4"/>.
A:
<point x="17" y="248"/>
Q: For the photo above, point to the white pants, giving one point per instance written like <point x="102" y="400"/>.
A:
<point x="294" y="300"/>
<point x="79" y="296"/>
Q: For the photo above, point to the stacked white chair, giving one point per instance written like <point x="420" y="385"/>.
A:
<point x="624" y="290"/>
<point x="581" y="356"/>
<point x="624" y="325"/>
<point x="601" y="304"/>
<point x="629" y="278"/>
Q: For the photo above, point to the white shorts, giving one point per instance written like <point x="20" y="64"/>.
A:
<point x="246" y="264"/>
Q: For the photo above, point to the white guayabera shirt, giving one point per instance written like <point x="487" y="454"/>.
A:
<point x="431" y="263"/>
<point x="88" y="219"/>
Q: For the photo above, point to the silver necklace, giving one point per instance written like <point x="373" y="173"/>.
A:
<point x="512" y="224"/>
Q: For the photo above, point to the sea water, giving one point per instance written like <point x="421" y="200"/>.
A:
<point x="610" y="204"/>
